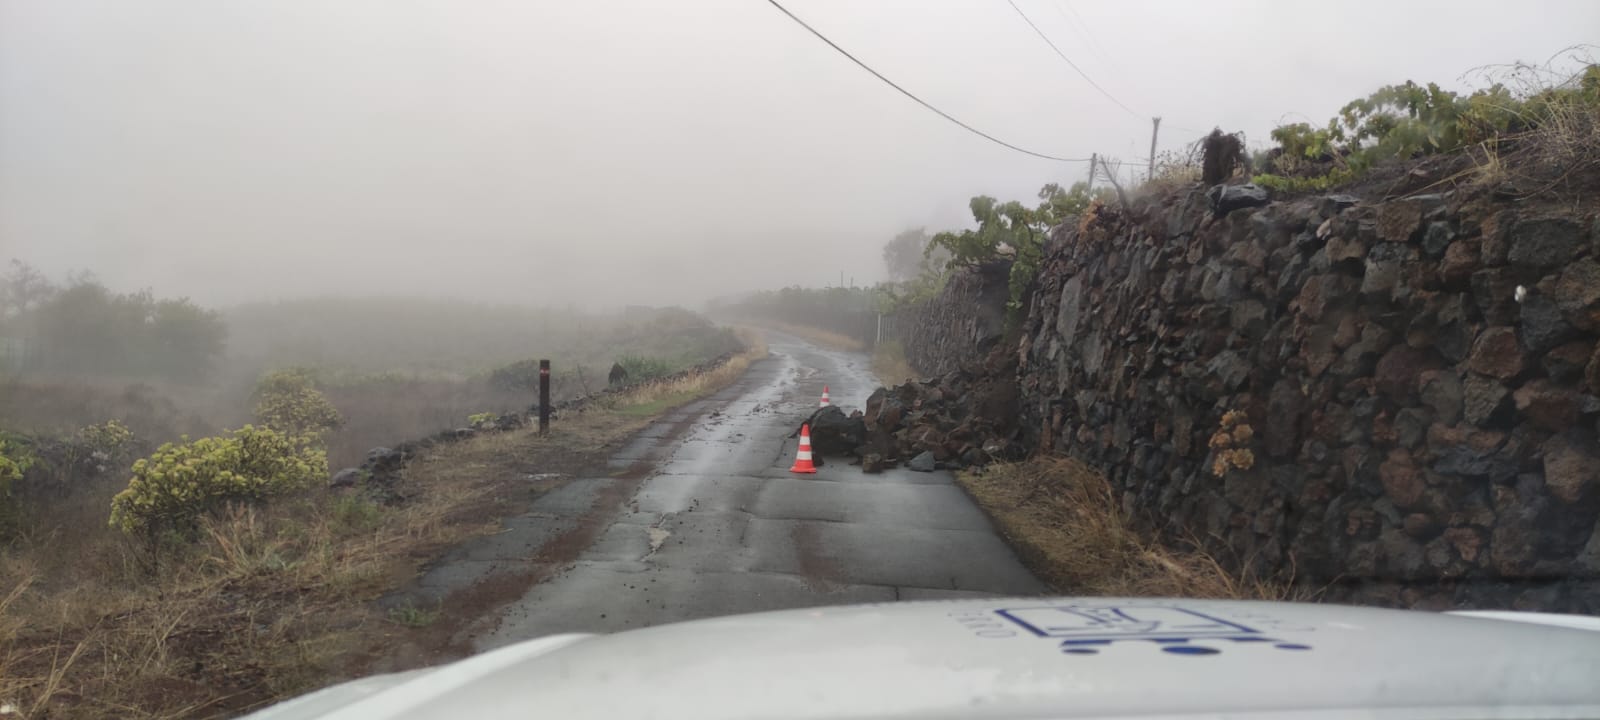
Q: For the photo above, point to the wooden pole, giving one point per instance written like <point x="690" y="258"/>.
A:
<point x="1093" y="161"/>
<point x="1155" y="129"/>
<point x="544" y="397"/>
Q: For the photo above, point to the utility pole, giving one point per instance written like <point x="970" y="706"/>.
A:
<point x="1094" y="160"/>
<point x="1155" y="129"/>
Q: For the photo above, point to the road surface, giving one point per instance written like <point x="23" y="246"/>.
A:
<point x="717" y="525"/>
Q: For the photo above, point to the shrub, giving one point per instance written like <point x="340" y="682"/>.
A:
<point x="110" y="437"/>
<point x="14" y="460"/>
<point x="641" y="369"/>
<point x="1410" y="120"/>
<point x="353" y="514"/>
<point x="176" y="485"/>
<point x="1317" y="183"/>
<point x="288" y="401"/>
<point x="522" y="375"/>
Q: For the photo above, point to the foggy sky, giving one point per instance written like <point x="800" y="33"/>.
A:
<point x="643" y="151"/>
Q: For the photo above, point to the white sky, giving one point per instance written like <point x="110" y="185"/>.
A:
<point x="611" y="151"/>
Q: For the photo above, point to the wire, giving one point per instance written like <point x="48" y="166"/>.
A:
<point x="1088" y="36"/>
<point x="919" y="101"/>
<point x="1069" y="61"/>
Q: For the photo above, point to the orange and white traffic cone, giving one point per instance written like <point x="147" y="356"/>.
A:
<point x="802" y="459"/>
<point x="824" y="402"/>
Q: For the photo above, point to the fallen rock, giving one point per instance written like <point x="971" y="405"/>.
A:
<point x="923" y="462"/>
<point x="834" y="433"/>
<point x="873" y="463"/>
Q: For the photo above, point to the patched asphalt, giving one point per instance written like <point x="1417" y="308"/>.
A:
<point x="700" y="517"/>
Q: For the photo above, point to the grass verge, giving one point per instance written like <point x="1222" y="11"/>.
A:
<point x="889" y="364"/>
<point x="1066" y="524"/>
<point x="273" y="601"/>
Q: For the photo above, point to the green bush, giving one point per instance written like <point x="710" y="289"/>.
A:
<point x="1410" y="120"/>
<point x="178" y="483"/>
<point x="522" y="375"/>
<point x="288" y="401"/>
<point x="642" y="369"/>
<point x="14" y="460"/>
<point x="110" y="437"/>
<point x="1316" y="183"/>
<point x="353" y="514"/>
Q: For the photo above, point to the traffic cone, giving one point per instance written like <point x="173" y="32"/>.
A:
<point x="802" y="459"/>
<point x="824" y="402"/>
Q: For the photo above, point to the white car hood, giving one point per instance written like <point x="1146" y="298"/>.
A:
<point x="1020" y="658"/>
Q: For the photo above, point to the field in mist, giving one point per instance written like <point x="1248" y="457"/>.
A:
<point x="76" y="354"/>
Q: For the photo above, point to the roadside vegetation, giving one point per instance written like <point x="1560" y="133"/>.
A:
<point x="227" y="574"/>
<point x="170" y="545"/>
<point x="1545" y="118"/>
<point x="1069" y="528"/>
<point x="890" y="365"/>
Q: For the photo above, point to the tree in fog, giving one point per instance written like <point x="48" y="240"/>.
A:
<point x="23" y="288"/>
<point x="902" y="256"/>
<point x="908" y="256"/>
<point x="86" y="328"/>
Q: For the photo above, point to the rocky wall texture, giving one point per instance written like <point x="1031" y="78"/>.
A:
<point x="963" y="322"/>
<point x="1418" y="378"/>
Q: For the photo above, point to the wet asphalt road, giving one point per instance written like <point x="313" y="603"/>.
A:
<point x="719" y="526"/>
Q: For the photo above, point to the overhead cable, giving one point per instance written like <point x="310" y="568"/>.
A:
<point x="919" y="100"/>
<point x="1068" y="60"/>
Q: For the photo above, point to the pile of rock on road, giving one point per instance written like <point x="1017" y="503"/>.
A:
<point x="964" y="418"/>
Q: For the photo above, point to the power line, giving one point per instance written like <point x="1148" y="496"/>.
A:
<point x="1088" y="34"/>
<point x="1069" y="61"/>
<point x="919" y="101"/>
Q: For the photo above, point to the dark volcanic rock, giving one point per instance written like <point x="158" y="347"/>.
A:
<point x="834" y="433"/>
<point x="1545" y="244"/>
<point x="1225" y="199"/>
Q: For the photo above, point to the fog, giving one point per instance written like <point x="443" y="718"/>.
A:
<point x="600" y="153"/>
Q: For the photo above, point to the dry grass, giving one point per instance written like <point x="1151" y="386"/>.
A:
<point x="655" y="398"/>
<point x="889" y="364"/>
<point x="1069" y="528"/>
<point x="825" y="338"/>
<point x="251" y="612"/>
<point x="270" y="602"/>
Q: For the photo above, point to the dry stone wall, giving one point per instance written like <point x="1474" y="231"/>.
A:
<point x="1419" y="378"/>
<point x="962" y="323"/>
